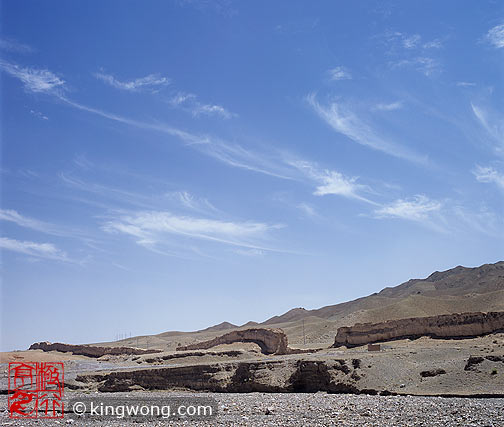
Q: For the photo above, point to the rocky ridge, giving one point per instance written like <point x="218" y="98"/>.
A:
<point x="449" y="326"/>
<point x="90" y="350"/>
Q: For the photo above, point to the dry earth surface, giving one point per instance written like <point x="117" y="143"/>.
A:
<point x="458" y="290"/>
<point x="402" y="376"/>
<point x="318" y="409"/>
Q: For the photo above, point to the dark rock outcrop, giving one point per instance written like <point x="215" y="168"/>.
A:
<point x="271" y="341"/>
<point x="89" y="350"/>
<point x="448" y="326"/>
<point x="301" y="376"/>
<point x="476" y="360"/>
<point x="432" y="373"/>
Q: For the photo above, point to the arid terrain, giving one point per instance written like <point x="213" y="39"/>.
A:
<point x="458" y="290"/>
<point x="466" y="361"/>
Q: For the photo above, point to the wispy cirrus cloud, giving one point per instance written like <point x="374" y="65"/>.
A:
<point x="153" y="228"/>
<point x="154" y="82"/>
<point x="445" y="216"/>
<point x="389" y="107"/>
<point x="424" y="64"/>
<point x="34" y="80"/>
<point x="331" y="182"/>
<point x="434" y="44"/>
<point x="483" y="220"/>
<point x="190" y="103"/>
<point x="465" y="84"/>
<point x="336" y="183"/>
<point x="328" y="182"/>
<point x="151" y="83"/>
<point x="340" y="73"/>
<point x="161" y="222"/>
<point x="417" y="208"/>
<point x="108" y="194"/>
<point x="39" y="115"/>
<point x="250" y="252"/>
<point x="396" y="40"/>
<point x="495" y="36"/>
<point x="192" y="202"/>
<point x="493" y="125"/>
<point x="231" y="154"/>
<point x="411" y="50"/>
<point x="344" y="121"/>
<point x="11" y="215"/>
<point x="210" y="109"/>
<point x="39" y="250"/>
<point x="489" y="175"/>
<point x="410" y="42"/>
<point x="11" y="45"/>
<point x="307" y="209"/>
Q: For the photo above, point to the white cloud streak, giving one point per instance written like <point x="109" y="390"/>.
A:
<point x="331" y="182"/>
<point x="191" y="202"/>
<point x="34" y="80"/>
<point x="189" y="102"/>
<point x="424" y="64"/>
<point x="465" y="84"/>
<point x="340" y="73"/>
<point x="336" y="183"/>
<point x="12" y="45"/>
<point x="389" y="107"/>
<point x="154" y="227"/>
<point x="434" y="44"/>
<point x="494" y="126"/>
<point x="153" y="82"/>
<point x="345" y="122"/>
<point x="150" y="82"/>
<point x="307" y="209"/>
<point x="39" y="250"/>
<point x="209" y="109"/>
<point x="39" y="115"/>
<point x="442" y="217"/>
<point x="410" y="42"/>
<point x="230" y="154"/>
<point x="417" y="208"/>
<point x="15" y="217"/>
<point x="496" y="36"/>
<point x="489" y="175"/>
<point x="250" y="252"/>
<point x="483" y="221"/>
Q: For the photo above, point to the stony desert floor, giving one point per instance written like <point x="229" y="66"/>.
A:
<point x="307" y="409"/>
<point x="454" y="392"/>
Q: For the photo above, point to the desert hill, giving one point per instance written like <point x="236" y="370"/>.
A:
<point x="457" y="290"/>
<point x="440" y="293"/>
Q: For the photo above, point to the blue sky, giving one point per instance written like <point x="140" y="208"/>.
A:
<point x="171" y="165"/>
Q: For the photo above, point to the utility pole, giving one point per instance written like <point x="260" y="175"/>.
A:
<point x="304" y="336"/>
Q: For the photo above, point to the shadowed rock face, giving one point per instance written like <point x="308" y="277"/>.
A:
<point x="448" y="326"/>
<point x="245" y="377"/>
<point x="271" y="341"/>
<point x="88" y="350"/>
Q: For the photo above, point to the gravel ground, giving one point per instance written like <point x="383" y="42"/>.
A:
<point x="319" y="409"/>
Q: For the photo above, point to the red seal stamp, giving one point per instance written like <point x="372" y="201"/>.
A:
<point x="36" y="389"/>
